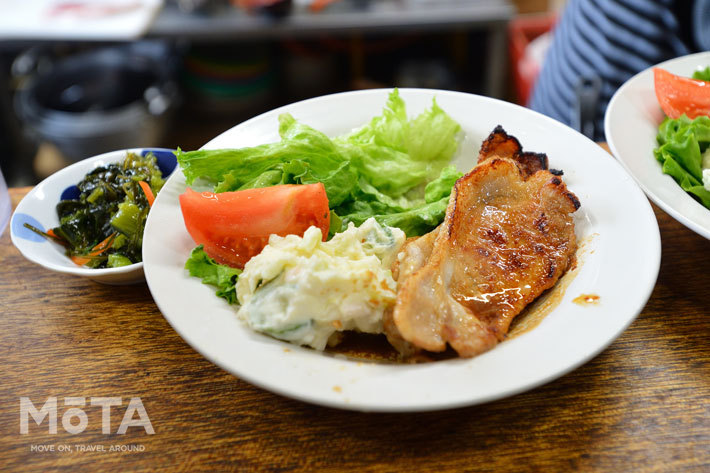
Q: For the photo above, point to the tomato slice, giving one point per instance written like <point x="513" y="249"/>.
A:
<point x="235" y="226"/>
<point x="681" y="95"/>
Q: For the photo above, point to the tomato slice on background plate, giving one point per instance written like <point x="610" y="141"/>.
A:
<point x="679" y="95"/>
<point x="235" y="226"/>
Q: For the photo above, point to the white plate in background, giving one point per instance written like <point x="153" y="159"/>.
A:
<point x="631" y="125"/>
<point x="615" y="221"/>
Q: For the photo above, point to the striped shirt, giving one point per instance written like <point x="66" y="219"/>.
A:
<point x="606" y="42"/>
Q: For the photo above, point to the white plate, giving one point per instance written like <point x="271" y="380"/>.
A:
<point x="620" y="264"/>
<point x="38" y="208"/>
<point x="631" y="125"/>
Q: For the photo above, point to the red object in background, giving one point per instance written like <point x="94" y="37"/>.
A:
<point x="87" y="9"/>
<point x="521" y="32"/>
<point x="318" y="5"/>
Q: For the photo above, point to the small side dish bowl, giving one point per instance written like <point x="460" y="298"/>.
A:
<point x="38" y="209"/>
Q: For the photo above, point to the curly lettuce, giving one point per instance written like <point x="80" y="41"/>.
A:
<point x="393" y="168"/>
<point x="683" y="151"/>
<point x="702" y="74"/>
<point x="223" y="277"/>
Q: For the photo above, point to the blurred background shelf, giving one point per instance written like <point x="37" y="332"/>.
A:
<point x="352" y="19"/>
<point x="391" y="16"/>
<point x="229" y="63"/>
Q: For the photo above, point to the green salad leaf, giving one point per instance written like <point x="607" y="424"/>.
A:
<point x="682" y="144"/>
<point x="393" y="168"/>
<point x="303" y="156"/>
<point x="703" y="74"/>
<point x="103" y="226"/>
<point x="412" y="218"/>
<point x="395" y="154"/>
<point x="223" y="277"/>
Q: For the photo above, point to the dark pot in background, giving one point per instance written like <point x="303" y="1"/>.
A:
<point x="105" y="99"/>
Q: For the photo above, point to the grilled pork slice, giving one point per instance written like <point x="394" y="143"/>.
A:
<point x="411" y="257"/>
<point x="508" y="236"/>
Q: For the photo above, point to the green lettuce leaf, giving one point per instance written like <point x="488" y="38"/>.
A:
<point x="396" y="154"/>
<point x="416" y="220"/>
<point x="703" y="74"/>
<point x="700" y="192"/>
<point x="440" y="188"/>
<point x="682" y="142"/>
<point x="224" y="278"/>
<point x="393" y="168"/>
<point x="303" y="156"/>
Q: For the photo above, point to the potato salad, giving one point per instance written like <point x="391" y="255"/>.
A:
<point x="304" y="290"/>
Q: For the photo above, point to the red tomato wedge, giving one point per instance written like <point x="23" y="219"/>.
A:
<point x="681" y="95"/>
<point x="235" y="226"/>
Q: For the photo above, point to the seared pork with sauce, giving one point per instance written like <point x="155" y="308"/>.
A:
<point x="508" y="236"/>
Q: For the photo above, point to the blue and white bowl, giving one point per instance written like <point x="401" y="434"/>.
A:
<point x="38" y="209"/>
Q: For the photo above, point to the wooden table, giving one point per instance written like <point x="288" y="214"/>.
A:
<point x="641" y="405"/>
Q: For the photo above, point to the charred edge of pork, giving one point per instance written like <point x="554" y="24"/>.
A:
<point x="569" y="194"/>
<point x="500" y="143"/>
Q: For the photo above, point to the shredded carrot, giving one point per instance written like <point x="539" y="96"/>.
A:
<point x="59" y="239"/>
<point x="80" y="260"/>
<point x="95" y="251"/>
<point x="103" y="246"/>
<point x="147" y="191"/>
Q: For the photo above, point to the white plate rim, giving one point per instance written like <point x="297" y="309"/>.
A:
<point x="640" y="297"/>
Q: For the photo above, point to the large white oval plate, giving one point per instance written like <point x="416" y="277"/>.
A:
<point x="620" y="265"/>
<point x="631" y="125"/>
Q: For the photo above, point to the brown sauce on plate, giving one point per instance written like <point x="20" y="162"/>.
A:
<point x="535" y="312"/>
<point x="586" y="299"/>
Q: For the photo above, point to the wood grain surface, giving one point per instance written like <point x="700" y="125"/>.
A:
<point x="641" y="405"/>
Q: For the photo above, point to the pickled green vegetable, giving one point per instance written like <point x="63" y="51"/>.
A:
<point x="111" y="205"/>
